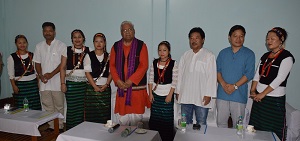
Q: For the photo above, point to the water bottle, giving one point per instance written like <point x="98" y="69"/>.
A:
<point x="183" y="123"/>
<point x="26" y="105"/>
<point x="126" y="132"/>
<point x="239" y="126"/>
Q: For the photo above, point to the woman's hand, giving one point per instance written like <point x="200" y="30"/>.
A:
<point x="103" y="87"/>
<point x="252" y="94"/>
<point x="15" y="89"/>
<point x="168" y="98"/>
<point x="259" y="97"/>
<point x="97" y="89"/>
<point x="151" y="98"/>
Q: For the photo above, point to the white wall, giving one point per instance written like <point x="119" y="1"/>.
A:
<point x="155" y="20"/>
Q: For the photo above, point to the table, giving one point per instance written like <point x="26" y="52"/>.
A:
<point x="208" y="133"/>
<point x="89" y="131"/>
<point x="27" y="123"/>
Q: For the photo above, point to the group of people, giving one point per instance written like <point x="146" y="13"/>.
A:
<point x="83" y="77"/>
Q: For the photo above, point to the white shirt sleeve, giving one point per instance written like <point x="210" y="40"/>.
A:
<point x="37" y="55"/>
<point x="180" y="73"/>
<point x="87" y="63"/>
<point x="64" y="52"/>
<point x="151" y="74"/>
<point x="256" y="76"/>
<point x="10" y="67"/>
<point x="284" y="70"/>
<point x="211" y="77"/>
<point x="175" y="75"/>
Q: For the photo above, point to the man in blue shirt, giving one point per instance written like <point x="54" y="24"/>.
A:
<point x="235" y="67"/>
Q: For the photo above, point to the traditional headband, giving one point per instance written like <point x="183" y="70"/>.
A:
<point x="75" y="31"/>
<point x="165" y="42"/>
<point x="100" y="35"/>
<point x="20" y="36"/>
<point x="277" y="31"/>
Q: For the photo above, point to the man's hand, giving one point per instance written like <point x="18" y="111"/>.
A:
<point x="121" y="84"/>
<point x="63" y="87"/>
<point x="48" y="76"/>
<point x="128" y="83"/>
<point x="206" y="100"/>
<point x="176" y="96"/>
<point x="43" y="79"/>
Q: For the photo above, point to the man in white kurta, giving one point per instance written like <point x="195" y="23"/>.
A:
<point x="47" y="58"/>
<point x="197" y="78"/>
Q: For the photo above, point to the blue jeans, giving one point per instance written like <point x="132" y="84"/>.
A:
<point x="200" y="112"/>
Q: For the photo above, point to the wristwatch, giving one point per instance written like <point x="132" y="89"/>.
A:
<point x="235" y="86"/>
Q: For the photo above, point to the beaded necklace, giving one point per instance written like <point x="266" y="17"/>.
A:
<point x="23" y="61"/>
<point x="161" y="74"/>
<point x="80" y="58"/>
<point x="267" y="67"/>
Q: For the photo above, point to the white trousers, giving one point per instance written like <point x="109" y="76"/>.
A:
<point x="53" y="101"/>
<point x="227" y="108"/>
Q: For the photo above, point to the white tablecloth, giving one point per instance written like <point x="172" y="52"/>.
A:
<point x="88" y="131"/>
<point x="26" y="123"/>
<point x="208" y="133"/>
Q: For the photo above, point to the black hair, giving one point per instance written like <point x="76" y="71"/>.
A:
<point x="280" y="32"/>
<point x="20" y="36"/>
<point x="236" y="27"/>
<point x="45" y="24"/>
<point x="199" y="30"/>
<point x="167" y="44"/>
<point x="77" y="30"/>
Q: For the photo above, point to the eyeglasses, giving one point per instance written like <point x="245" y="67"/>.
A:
<point x="130" y="30"/>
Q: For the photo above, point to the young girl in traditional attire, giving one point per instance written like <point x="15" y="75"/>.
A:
<point x="22" y="75"/>
<point x="98" y="94"/>
<point x="73" y="80"/>
<point x="162" y="83"/>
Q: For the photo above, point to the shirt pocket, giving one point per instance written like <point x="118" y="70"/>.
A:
<point x="56" y="58"/>
<point x="199" y="66"/>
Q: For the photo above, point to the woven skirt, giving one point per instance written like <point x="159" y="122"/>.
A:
<point x="28" y="89"/>
<point x="162" y="117"/>
<point x="75" y="103"/>
<point x="269" y="115"/>
<point x="97" y="105"/>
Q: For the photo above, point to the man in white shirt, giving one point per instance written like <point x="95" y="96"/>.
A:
<point x="47" y="58"/>
<point x="197" y="78"/>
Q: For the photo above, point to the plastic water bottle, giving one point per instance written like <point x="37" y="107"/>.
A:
<point x="239" y="126"/>
<point x="126" y="132"/>
<point x="26" y="105"/>
<point x="183" y="123"/>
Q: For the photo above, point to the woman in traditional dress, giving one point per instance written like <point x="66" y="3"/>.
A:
<point x="98" y="95"/>
<point x="22" y="75"/>
<point x="73" y="79"/>
<point x="268" y="88"/>
<point x="162" y="83"/>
